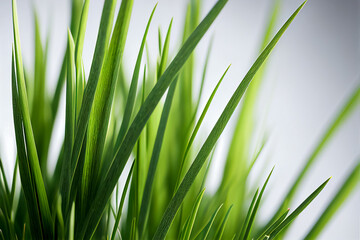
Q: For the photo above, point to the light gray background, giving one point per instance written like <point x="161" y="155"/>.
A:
<point x="311" y="72"/>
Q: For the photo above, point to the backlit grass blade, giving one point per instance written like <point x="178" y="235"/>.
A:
<point x="119" y="212"/>
<point x="298" y="210"/>
<point x="247" y="218"/>
<point x="341" y="196"/>
<point x="133" y="87"/>
<point x="69" y="119"/>
<point x="222" y="226"/>
<point x="145" y="202"/>
<point x="349" y="106"/>
<point x="33" y="161"/>
<point x="165" y="52"/>
<point x="96" y="65"/>
<point x="215" y="134"/>
<point x="256" y="207"/>
<point x="205" y="231"/>
<point x="196" y="129"/>
<point x="123" y="153"/>
<point x="274" y="225"/>
<point x="190" y="225"/>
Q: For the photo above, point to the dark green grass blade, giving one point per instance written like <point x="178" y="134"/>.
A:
<point x="274" y="225"/>
<point x="96" y="65"/>
<point x="119" y="212"/>
<point x="69" y="118"/>
<point x="29" y="136"/>
<point x="145" y="202"/>
<point x="215" y="134"/>
<point x="298" y="210"/>
<point x="3" y="176"/>
<point x="196" y="129"/>
<point x="246" y="221"/>
<point x="192" y="216"/>
<point x="101" y="108"/>
<point x="205" y="231"/>
<point x="337" y="201"/>
<point x="343" y="114"/>
<point x="123" y="153"/>
<point x="129" y="108"/>
<point x="256" y="207"/>
<point x="222" y="226"/>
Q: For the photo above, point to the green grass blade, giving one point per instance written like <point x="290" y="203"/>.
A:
<point x="203" y="234"/>
<point x="96" y="65"/>
<point x="215" y="134"/>
<point x="101" y="108"/>
<point x="298" y="210"/>
<point x="117" y="166"/>
<point x="343" y="114"/>
<point x="222" y="226"/>
<point x="246" y="221"/>
<point x="165" y="52"/>
<point x="196" y="129"/>
<point x="119" y="212"/>
<point x="29" y="136"/>
<point x="145" y="202"/>
<point x="340" y="197"/>
<point x="133" y="87"/>
<point x="192" y="216"/>
<point x="256" y="207"/>
<point x="69" y="119"/>
<point x="274" y="225"/>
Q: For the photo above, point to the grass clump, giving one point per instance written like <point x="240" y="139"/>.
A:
<point x="164" y="194"/>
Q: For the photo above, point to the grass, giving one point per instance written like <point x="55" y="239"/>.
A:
<point x="164" y="195"/>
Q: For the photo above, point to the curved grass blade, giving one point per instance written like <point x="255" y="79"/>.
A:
<point x="96" y="65"/>
<point x="119" y="212"/>
<point x="165" y="52"/>
<point x="33" y="161"/>
<point x="341" y="196"/>
<point x="203" y="234"/>
<point x="343" y="114"/>
<point x="246" y="221"/>
<point x="298" y="210"/>
<point x="254" y="211"/>
<point x="274" y="225"/>
<point x="145" y="202"/>
<point x="215" y="134"/>
<point x="196" y="129"/>
<point x="123" y="153"/>
<point x="133" y="87"/>
<point x="222" y="226"/>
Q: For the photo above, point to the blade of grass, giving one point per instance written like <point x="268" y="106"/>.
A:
<point x="222" y="226"/>
<point x="203" y="234"/>
<point x="340" y="197"/>
<point x="29" y="136"/>
<point x="117" y="166"/>
<point x="298" y="210"/>
<point x="340" y="117"/>
<point x="165" y="52"/>
<point x="274" y="225"/>
<point x="215" y="134"/>
<point x="246" y="221"/>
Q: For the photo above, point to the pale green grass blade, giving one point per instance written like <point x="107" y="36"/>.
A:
<point x="119" y="212"/>
<point x="205" y="231"/>
<point x="69" y="119"/>
<point x="81" y="34"/>
<point x="256" y="207"/>
<point x="222" y="226"/>
<point x="29" y="136"/>
<point x="145" y="202"/>
<point x="117" y="166"/>
<point x="273" y="226"/>
<point x="215" y="134"/>
<point x="350" y="105"/>
<point x="129" y="108"/>
<point x="165" y="52"/>
<point x="247" y="218"/>
<point x="337" y="201"/>
<point x="298" y="210"/>
<point x="193" y="215"/>
<point x="96" y="65"/>
<point x="196" y="129"/>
